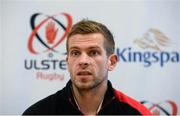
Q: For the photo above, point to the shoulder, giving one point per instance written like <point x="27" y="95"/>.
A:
<point x="46" y="105"/>
<point x="132" y="103"/>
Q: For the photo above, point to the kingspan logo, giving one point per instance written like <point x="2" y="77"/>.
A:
<point x="153" y="44"/>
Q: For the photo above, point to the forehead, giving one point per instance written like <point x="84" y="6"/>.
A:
<point x="86" y="40"/>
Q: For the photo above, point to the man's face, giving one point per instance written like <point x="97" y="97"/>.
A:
<point x="87" y="60"/>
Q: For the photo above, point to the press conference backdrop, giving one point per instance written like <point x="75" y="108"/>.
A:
<point x="33" y="37"/>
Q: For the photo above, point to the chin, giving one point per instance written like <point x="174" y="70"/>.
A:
<point x="84" y="86"/>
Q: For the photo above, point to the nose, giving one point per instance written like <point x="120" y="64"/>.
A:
<point x="84" y="60"/>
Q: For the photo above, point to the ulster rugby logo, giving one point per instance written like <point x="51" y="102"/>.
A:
<point x="46" y="38"/>
<point x="168" y="107"/>
<point x="48" y="33"/>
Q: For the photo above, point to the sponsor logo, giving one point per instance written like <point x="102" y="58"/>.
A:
<point x="153" y="39"/>
<point x="51" y="31"/>
<point x="45" y="44"/>
<point x="152" y="44"/>
<point x="168" y="107"/>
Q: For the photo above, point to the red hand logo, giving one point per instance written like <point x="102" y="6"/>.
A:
<point x="51" y="32"/>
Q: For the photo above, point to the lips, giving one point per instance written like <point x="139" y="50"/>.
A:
<point x="84" y="73"/>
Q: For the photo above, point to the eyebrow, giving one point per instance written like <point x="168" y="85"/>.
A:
<point x="92" y="47"/>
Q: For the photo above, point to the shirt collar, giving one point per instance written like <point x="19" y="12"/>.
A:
<point x="109" y="95"/>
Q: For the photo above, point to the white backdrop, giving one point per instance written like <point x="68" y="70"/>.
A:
<point x="1" y="58"/>
<point x="134" y="24"/>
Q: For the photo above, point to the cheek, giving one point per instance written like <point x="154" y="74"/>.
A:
<point x="72" y="65"/>
<point x="102" y="65"/>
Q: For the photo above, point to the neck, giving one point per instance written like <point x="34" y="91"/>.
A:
<point x="93" y="97"/>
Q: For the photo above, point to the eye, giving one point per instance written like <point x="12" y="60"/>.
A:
<point x="75" y="53"/>
<point x="93" y="53"/>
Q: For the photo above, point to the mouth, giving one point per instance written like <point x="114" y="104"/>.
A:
<point x="84" y="73"/>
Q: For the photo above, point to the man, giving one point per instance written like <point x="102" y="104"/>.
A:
<point x="90" y="55"/>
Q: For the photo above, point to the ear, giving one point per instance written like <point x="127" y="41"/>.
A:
<point x="112" y="62"/>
